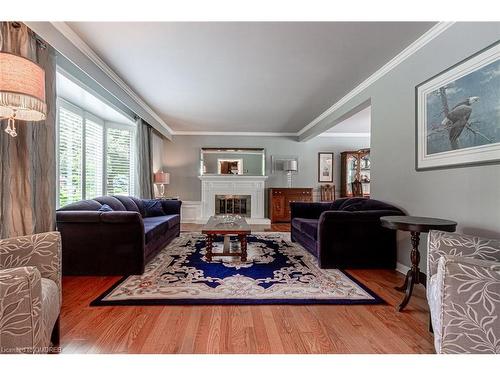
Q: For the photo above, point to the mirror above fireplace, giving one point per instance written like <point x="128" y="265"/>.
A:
<point x="233" y="161"/>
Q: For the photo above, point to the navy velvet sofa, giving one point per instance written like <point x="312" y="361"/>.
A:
<point x="117" y="239"/>
<point x="346" y="233"/>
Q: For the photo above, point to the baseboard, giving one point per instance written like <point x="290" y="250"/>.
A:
<point x="402" y="268"/>
<point x="190" y="211"/>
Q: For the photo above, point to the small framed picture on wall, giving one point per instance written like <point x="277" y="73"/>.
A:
<point x="325" y="166"/>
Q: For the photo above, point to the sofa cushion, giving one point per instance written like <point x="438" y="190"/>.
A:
<point x="105" y="208"/>
<point x="112" y="202"/>
<point x="50" y="307"/>
<point x="128" y="202"/>
<point x="140" y="205"/>
<point x="153" y="207"/>
<point x="87" y="205"/>
<point x="306" y="226"/>
<point x="434" y="299"/>
<point x="158" y="225"/>
<point x="365" y="204"/>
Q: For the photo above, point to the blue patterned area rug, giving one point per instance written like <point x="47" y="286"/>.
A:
<point x="277" y="271"/>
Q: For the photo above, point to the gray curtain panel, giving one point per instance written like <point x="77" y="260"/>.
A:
<point x="28" y="162"/>
<point x="144" y="160"/>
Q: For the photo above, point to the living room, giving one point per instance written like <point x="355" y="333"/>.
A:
<point x="192" y="186"/>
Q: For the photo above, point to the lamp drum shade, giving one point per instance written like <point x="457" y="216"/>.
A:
<point x="162" y="178"/>
<point x="290" y="165"/>
<point x="22" y="88"/>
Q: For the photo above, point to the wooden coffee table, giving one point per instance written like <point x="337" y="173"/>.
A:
<point x="226" y="226"/>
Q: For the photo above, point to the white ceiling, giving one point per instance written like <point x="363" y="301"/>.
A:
<point x="246" y="76"/>
<point x="77" y="95"/>
<point x="360" y="122"/>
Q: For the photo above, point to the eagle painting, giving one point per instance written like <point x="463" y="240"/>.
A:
<point x="456" y="120"/>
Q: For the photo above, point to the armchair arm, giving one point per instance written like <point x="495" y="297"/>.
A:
<point x="42" y="250"/>
<point x="171" y="206"/>
<point x="444" y="243"/>
<point x="308" y="210"/>
<point x="470" y="301"/>
<point x="21" y="328"/>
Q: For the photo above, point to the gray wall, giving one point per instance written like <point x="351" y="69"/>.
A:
<point x="183" y="159"/>
<point x="471" y="195"/>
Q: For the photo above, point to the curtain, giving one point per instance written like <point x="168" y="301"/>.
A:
<point x="144" y="160"/>
<point x="28" y="161"/>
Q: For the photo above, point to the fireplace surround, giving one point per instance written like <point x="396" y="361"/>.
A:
<point x="234" y="185"/>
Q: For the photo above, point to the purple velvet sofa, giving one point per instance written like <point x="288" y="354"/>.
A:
<point x="346" y="233"/>
<point x="117" y="242"/>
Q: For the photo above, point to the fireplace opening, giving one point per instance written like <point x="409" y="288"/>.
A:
<point x="233" y="204"/>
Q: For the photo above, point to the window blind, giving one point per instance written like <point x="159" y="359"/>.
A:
<point x="70" y="156"/>
<point x="94" y="153"/>
<point x="119" y="164"/>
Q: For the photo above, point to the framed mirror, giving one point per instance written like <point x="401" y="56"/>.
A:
<point x="232" y="161"/>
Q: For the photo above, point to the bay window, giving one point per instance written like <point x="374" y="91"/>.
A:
<point x="95" y="157"/>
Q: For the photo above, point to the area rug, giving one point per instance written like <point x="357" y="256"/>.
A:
<point x="277" y="271"/>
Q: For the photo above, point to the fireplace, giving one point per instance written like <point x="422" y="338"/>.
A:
<point x="233" y="204"/>
<point x="235" y="186"/>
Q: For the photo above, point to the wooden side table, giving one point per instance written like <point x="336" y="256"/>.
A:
<point x="415" y="225"/>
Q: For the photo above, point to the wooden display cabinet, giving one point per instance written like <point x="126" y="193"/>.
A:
<point x="355" y="165"/>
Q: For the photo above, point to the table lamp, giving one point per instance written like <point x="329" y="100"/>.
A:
<point x="290" y="166"/>
<point x="162" y="179"/>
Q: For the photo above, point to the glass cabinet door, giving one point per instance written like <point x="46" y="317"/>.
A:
<point x="352" y="171"/>
<point x="364" y="173"/>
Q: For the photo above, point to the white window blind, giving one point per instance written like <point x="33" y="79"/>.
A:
<point x="119" y="165"/>
<point x="70" y="156"/>
<point x="94" y="157"/>
<point x="94" y="153"/>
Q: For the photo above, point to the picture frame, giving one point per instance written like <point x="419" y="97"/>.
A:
<point x="325" y="166"/>
<point x="457" y="116"/>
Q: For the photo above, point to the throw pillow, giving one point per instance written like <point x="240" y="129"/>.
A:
<point x="153" y="207"/>
<point x="105" y="208"/>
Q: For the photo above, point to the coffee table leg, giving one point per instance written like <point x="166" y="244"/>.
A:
<point x="209" y="248"/>
<point x="414" y="275"/>
<point x="243" y="241"/>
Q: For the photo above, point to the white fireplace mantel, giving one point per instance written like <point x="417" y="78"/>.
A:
<point x="212" y="185"/>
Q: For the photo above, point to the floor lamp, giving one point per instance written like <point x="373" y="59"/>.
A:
<point x="290" y="166"/>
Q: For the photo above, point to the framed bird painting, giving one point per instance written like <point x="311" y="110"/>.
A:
<point x="458" y="114"/>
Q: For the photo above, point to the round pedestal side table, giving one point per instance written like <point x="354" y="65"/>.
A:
<point x="415" y="225"/>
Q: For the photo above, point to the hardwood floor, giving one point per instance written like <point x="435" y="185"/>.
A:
<point x="245" y="329"/>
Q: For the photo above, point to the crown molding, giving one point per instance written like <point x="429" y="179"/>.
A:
<point x="345" y="135"/>
<point x="244" y="134"/>
<point x="75" y="39"/>
<point x="428" y="36"/>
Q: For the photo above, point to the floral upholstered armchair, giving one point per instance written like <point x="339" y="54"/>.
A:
<point x="30" y="293"/>
<point x="463" y="291"/>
